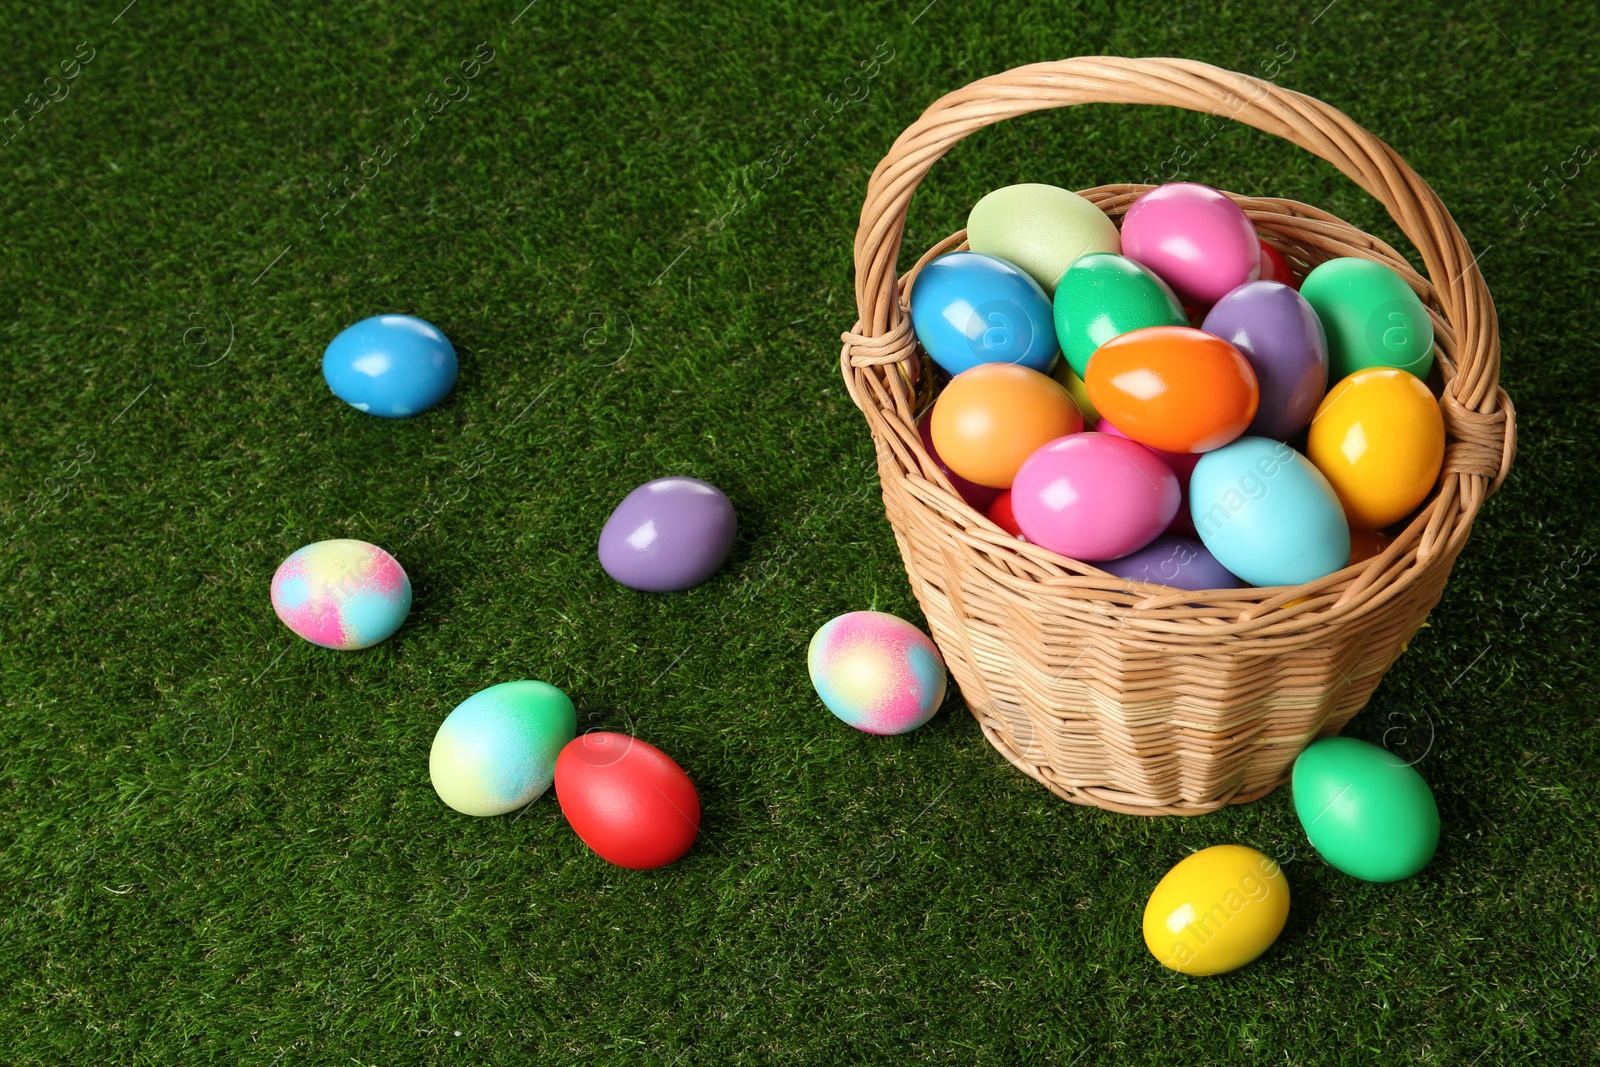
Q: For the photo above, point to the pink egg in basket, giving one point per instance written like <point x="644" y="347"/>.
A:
<point x="1195" y="239"/>
<point x="1182" y="464"/>
<point x="1092" y="496"/>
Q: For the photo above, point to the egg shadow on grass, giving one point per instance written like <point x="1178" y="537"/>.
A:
<point x="433" y="596"/>
<point x="596" y="715"/>
<point x="1306" y="903"/>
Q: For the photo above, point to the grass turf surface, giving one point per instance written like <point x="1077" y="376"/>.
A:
<point x="219" y="843"/>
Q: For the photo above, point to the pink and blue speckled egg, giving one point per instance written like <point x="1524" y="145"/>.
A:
<point x="877" y="672"/>
<point x="341" y="594"/>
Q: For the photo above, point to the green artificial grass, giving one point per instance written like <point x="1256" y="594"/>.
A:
<point x="219" y="842"/>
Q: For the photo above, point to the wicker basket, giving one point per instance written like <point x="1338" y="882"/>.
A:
<point x="1130" y="696"/>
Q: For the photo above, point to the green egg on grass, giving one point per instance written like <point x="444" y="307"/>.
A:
<point x="1367" y="811"/>
<point x="497" y="750"/>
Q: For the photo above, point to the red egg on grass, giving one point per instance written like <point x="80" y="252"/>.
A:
<point x="627" y="800"/>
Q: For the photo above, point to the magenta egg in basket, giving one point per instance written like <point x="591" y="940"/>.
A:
<point x="1092" y="496"/>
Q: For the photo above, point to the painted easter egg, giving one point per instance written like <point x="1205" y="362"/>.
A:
<point x="1179" y="562"/>
<point x="627" y="800"/>
<point x="1196" y="240"/>
<point x="992" y="417"/>
<point x="1002" y="515"/>
<point x="497" y="750"/>
<point x="1062" y="372"/>
<point x="1040" y="228"/>
<point x="1372" y="316"/>
<point x="970" y="309"/>
<point x="1367" y="811"/>
<point x="1182" y="465"/>
<point x="1174" y="388"/>
<point x="876" y="672"/>
<point x="1216" y="910"/>
<point x="1378" y="436"/>
<point x="1282" y="339"/>
<point x="669" y="534"/>
<point x="1275" y="267"/>
<point x="979" y="496"/>
<point x="1267" y="514"/>
<point x="1091" y="496"/>
<point x="1365" y="544"/>
<point x="390" y="365"/>
<point x="1102" y="295"/>
<point x="341" y="594"/>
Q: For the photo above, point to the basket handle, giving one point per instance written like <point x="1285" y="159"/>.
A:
<point x="1477" y="411"/>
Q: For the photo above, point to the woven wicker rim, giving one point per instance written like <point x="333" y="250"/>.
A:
<point x="880" y="354"/>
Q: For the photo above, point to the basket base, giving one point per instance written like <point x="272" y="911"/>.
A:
<point x="1112" y="799"/>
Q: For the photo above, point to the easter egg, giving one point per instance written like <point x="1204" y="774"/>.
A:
<point x="1001" y="514"/>
<point x="390" y="365"/>
<point x="627" y="800"/>
<point x="1091" y="496"/>
<point x="1102" y="295"/>
<point x="992" y="417"/>
<point x="970" y="309"/>
<point x="979" y="496"/>
<point x="669" y="534"/>
<point x="1181" y="464"/>
<point x="1372" y="316"/>
<point x="1366" y="811"/>
<point x="1180" y="562"/>
<point x="1365" y="544"/>
<point x="1174" y="388"/>
<point x="1062" y="372"/>
<point x="1378" y="436"/>
<point x="1281" y="338"/>
<point x="876" y="672"/>
<point x="341" y="594"/>
<point x="1216" y="910"/>
<point x="1275" y="267"/>
<point x="1195" y="239"/>
<point x="1267" y="514"/>
<point x="497" y="750"/>
<point x="1040" y="228"/>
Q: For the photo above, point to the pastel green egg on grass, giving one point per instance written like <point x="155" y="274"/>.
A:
<point x="496" y="752"/>
<point x="1367" y="811"/>
<point x="1040" y="228"/>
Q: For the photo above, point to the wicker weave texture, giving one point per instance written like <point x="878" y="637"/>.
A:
<point x="1135" y="697"/>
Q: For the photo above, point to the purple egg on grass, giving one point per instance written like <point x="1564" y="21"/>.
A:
<point x="1180" y="562"/>
<point x="668" y="534"/>
<point x="1279" y="334"/>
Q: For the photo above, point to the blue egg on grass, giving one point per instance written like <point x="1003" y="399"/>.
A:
<point x="497" y="750"/>
<point x="1267" y="514"/>
<point x="390" y="365"/>
<point x="969" y="308"/>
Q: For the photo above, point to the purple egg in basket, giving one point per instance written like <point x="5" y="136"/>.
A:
<point x="668" y="534"/>
<point x="1279" y="334"/>
<point x="1180" y="562"/>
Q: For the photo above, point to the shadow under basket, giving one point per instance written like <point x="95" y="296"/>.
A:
<point x="1133" y="697"/>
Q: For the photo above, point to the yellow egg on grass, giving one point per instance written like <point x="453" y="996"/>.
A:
<point x="1378" y="437"/>
<point x="1216" y="910"/>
